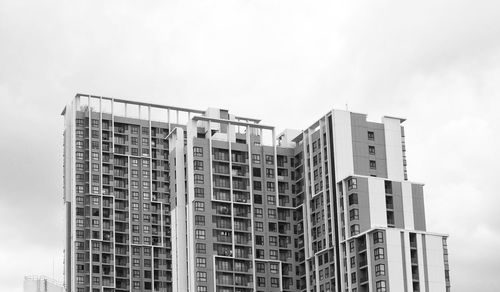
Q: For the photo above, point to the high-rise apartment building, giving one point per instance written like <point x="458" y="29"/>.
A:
<point x="161" y="198"/>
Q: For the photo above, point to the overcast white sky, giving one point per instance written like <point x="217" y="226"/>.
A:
<point x="437" y="63"/>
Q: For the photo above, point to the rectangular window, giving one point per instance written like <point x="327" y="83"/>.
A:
<point x="79" y="280"/>
<point x="259" y="226"/>
<point x="134" y="129"/>
<point x="79" y="133"/>
<point x="199" y="206"/>
<point x="135" y="195"/>
<point x="378" y="237"/>
<point x="388" y="187"/>
<point x="381" y="287"/>
<point x="198" y="178"/>
<point x="269" y="159"/>
<point x="379" y="253"/>
<point x="351" y="246"/>
<point x="379" y="270"/>
<point x="201" y="248"/>
<point x="80" y="234"/>
<point x="354" y="214"/>
<point x="258" y="212"/>
<point x="275" y="282"/>
<point x="271" y="186"/>
<point x="197" y="151"/>
<point x="261" y="267"/>
<point x="199" y="192"/>
<point x="271" y="200"/>
<point x="198" y="165"/>
<point x="256" y="158"/>
<point x="200" y="233"/>
<point x="273" y="254"/>
<point x="371" y="150"/>
<point x="371" y="136"/>
<point x="352" y="183"/>
<point x="201" y="262"/>
<point x="373" y="164"/>
<point x="257" y="186"/>
<point x="95" y="145"/>
<point x="199" y="220"/>
<point x="273" y="268"/>
<point x="269" y="173"/>
<point x="353" y="199"/>
<point x="354" y="229"/>
<point x="273" y="241"/>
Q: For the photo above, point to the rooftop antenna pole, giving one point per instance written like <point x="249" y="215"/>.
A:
<point x="346" y="107"/>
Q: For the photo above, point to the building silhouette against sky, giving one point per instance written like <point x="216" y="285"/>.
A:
<point x="161" y="198"/>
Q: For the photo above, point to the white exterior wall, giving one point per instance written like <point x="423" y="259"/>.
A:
<point x="407" y="205"/>
<point x="179" y="255"/>
<point x="435" y="263"/>
<point x="394" y="148"/>
<point x="376" y="198"/>
<point x="342" y="137"/>
<point x="394" y="261"/>
<point x="191" y="133"/>
<point x="421" y="264"/>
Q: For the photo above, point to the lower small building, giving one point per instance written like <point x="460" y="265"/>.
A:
<point x="41" y="284"/>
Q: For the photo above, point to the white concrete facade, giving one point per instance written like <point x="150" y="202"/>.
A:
<point x="376" y="191"/>
<point x="394" y="148"/>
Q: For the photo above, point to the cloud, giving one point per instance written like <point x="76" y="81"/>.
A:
<point x="436" y="63"/>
